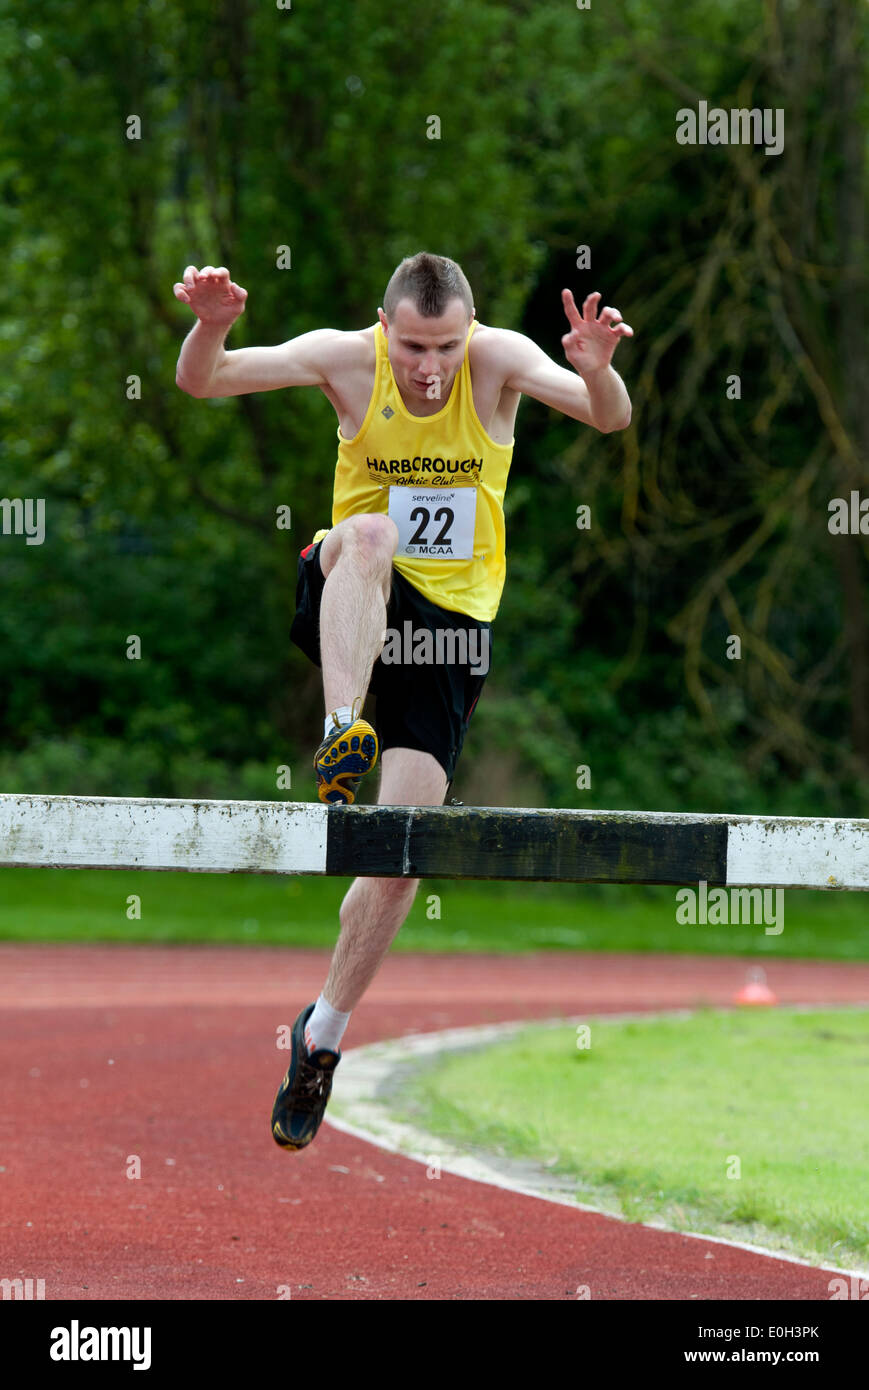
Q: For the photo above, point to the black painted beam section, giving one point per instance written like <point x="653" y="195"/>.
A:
<point x="546" y="845"/>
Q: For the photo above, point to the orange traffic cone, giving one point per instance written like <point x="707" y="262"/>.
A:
<point x="755" y="990"/>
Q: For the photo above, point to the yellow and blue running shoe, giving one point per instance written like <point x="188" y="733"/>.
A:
<point x="343" y="758"/>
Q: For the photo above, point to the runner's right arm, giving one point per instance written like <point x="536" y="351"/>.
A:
<point x="206" y="370"/>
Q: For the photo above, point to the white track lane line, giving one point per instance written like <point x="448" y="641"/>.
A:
<point x="370" y="1072"/>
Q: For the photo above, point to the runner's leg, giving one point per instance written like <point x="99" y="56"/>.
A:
<point x="356" y="558"/>
<point x="371" y="914"/>
<point x="375" y="908"/>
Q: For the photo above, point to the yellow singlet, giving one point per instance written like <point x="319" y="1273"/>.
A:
<point x="442" y="479"/>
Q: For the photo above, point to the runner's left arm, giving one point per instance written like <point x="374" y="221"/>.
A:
<point x="593" y="392"/>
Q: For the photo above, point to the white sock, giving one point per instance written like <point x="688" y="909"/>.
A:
<point x="325" y="1028"/>
<point x="333" y="721"/>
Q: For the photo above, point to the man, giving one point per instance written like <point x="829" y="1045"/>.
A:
<point x="426" y="401"/>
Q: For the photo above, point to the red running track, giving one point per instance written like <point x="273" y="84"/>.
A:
<point x="168" y="1054"/>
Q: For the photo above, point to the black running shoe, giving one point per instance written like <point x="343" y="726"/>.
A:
<point x="304" y="1091"/>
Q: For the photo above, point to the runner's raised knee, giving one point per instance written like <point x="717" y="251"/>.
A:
<point x="373" y="535"/>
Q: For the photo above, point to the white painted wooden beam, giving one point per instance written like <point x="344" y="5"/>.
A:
<point x="483" y="842"/>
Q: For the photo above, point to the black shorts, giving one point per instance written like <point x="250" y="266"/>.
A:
<point x="423" y="706"/>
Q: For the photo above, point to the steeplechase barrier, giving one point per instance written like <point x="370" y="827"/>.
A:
<point x="481" y="842"/>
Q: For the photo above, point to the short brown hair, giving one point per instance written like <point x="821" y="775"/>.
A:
<point x="430" y="282"/>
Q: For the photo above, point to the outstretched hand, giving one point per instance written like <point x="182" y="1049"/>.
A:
<point x="591" y="342"/>
<point x="212" y="296"/>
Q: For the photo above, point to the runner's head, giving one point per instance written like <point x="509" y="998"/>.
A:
<point x="427" y="311"/>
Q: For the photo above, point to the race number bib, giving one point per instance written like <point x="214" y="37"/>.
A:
<point x="434" y="525"/>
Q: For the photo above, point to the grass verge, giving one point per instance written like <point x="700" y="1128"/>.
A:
<point x="747" y="1125"/>
<point x="448" y="915"/>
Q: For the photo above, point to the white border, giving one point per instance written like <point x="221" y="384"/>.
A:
<point x="798" y="854"/>
<point x="95" y="832"/>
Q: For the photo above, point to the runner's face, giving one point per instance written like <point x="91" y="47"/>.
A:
<point x="426" y="353"/>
